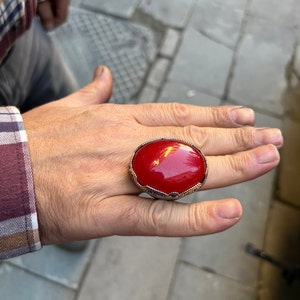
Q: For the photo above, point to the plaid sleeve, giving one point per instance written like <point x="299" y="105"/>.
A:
<point x="18" y="218"/>
<point x="15" y="18"/>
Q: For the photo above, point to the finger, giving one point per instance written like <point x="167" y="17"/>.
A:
<point x="61" y="11"/>
<point x="176" y="114"/>
<point x="222" y="170"/>
<point x="129" y="215"/>
<point x="221" y="141"/>
<point x="99" y="91"/>
<point x="240" y="167"/>
<point x="45" y="12"/>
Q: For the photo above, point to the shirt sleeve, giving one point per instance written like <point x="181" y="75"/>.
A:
<point x="15" y="18"/>
<point x="18" y="217"/>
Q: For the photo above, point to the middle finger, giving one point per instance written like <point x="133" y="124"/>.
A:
<point x="221" y="141"/>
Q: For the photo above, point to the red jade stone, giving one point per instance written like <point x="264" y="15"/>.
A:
<point x="168" y="168"/>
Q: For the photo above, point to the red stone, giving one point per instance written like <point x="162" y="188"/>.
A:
<point x="169" y="166"/>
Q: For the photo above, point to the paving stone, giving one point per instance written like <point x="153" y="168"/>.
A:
<point x="173" y="13"/>
<point x="123" y="9"/>
<point x="290" y="99"/>
<point x="55" y="264"/>
<point x="202" y="64"/>
<point x="289" y="190"/>
<point x="158" y="72"/>
<point x="17" y="284"/>
<point x="176" y="92"/>
<point x="218" y="21"/>
<point x="283" y="243"/>
<point x="261" y="62"/>
<point x="148" y="94"/>
<point x="297" y="13"/>
<point x="193" y="283"/>
<point x="238" y="4"/>
<point x="279" y="12"/>
<point x="170" y="43"/>
<point x="296" y="65"/>
<point x="76" y="2"/>
<point x="89" y="39"/>
<point x="263" y="120"/>
<point x="224" y="252"/>
<point x="131" y="268"/>
<point x="293" y="80"/>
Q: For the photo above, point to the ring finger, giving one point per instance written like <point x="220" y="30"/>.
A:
<point x="223" y="170"/>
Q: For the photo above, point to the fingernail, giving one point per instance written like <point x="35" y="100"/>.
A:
<point x="99" y="71"/>
<point x="49" y="26"/>
<point x="242" y="115"/>
<point x="267" y="154"/>
<point x="229" y="209"/>
<point x="269" y="136"/>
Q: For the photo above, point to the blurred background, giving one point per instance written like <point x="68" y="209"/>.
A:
<point x="201" y="52"/>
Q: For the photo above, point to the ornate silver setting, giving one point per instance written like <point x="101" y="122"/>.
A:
<point x="159" y="194"/>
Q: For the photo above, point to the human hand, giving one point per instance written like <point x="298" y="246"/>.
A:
<point x="81" y="146"/>
<point x="53" y="13"/>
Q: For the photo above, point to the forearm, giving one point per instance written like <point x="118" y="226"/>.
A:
<point x="18" y="219"/>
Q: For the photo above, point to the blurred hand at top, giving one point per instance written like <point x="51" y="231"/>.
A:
<point x="53" y="13"/>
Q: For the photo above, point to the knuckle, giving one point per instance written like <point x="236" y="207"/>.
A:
<point x="244" y="137"/>
<point x="200" y="218"/>
<point x="219" y="115"/>
<point x="156" y="216"/>
<point x="90" y="90"/>
<point x="196" y="135"/>
<point x="131" y="217"/>
<point x="180" y="112"/>
<point x="238" y="164"/>
<point x="196" y="218"/>
<point x="250" y="136"/>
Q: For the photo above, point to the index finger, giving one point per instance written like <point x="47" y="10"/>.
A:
<point x="61" y="11"/>
<point x="177" y="114"/>
<point x="45" y="13"/>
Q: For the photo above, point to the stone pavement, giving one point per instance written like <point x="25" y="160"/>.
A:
<point x="202" y="52"/>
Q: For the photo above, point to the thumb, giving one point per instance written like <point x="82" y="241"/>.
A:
<point x="150" y="217"/>
<point x="202" y="218"/>
<point x="98" y="91"/>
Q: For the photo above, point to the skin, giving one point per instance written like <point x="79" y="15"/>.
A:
<point x="53" y="13"/>
<point x="81" y="146"/>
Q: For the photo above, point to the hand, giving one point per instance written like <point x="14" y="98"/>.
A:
<point x="81" y="146"/>
<point x="53" y="13"/>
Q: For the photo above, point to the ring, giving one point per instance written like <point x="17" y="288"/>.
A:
<point x="168" y="169"/>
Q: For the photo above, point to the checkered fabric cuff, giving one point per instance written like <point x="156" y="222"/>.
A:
<point x="18" y="217"/>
